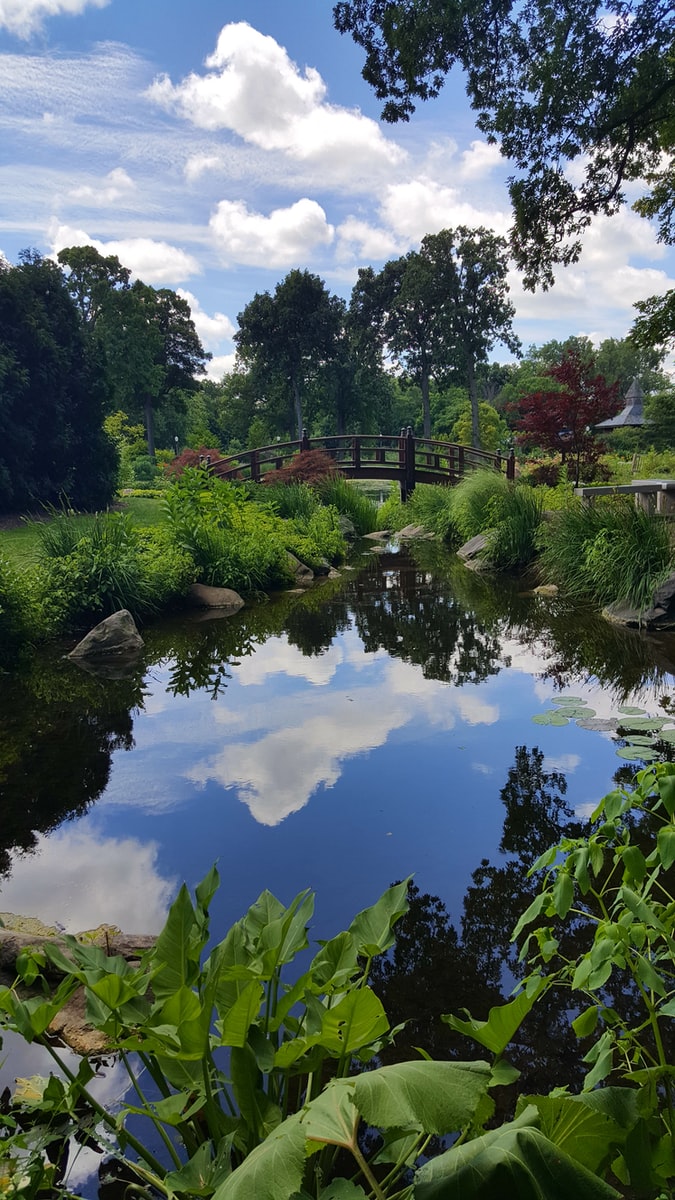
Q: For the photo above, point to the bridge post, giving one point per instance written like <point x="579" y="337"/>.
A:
<point x="408" y="481"/>
<point x="460" y="463"/>
<point x="255" y="467"/>
<point x="511" y="466"/>
<point x="356" y="453"/>
<point x="304" y="441"/>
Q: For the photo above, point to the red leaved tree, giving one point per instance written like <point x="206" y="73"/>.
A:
<point x="561" y="420"/>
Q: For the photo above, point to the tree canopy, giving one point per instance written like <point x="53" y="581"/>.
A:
<point x="589" y="82"/>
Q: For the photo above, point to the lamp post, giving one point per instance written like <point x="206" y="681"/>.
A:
<point x="175" y="445"/>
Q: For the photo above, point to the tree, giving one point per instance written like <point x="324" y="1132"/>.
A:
<point x="655" y="323"/>
<point x="590" y="83"/>
<point x="561" y="419"/>
<point x="147" y="336"/>
<point x="493" y="429"/>
<point x="288" y="336"/>
<point x="440" y="310"/>
<point x="52" y="395"/>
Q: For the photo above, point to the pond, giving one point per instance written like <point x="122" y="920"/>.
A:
<point x="395" y="722"/>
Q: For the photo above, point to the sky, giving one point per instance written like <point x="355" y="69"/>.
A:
<point x="214" y="147"/>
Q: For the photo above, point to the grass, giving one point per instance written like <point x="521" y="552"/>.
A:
<point x="21" y="545"/>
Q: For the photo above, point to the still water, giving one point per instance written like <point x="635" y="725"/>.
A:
<point x="373" y="728"/>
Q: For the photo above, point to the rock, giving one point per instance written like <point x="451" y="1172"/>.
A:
<point x="414" y="531"/>
<point x="333" y="574"/>
<point x="473" y="549"/>
<point x="380" y="535"/>
<point x="660" y="614"/>
<point x="116" y="637"/>
<point x="545" y="589"/>
<point x="227" y="601"/>
<point x="303" y="576"/>
<point x="347" y="528"/>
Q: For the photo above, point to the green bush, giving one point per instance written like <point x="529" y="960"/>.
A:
<point x="475" y="502"/>
<point x="350" y="502"/>
<point x="317" y="539"/>
<point x="287" y="500"/>
<point x="393" y="513"/>
<point x="19" y="611"/>
<point x="607" y="551"/>
<point x="512" y="542"/>
<point x="168" y="570"/>
<point x="432" y="506"/>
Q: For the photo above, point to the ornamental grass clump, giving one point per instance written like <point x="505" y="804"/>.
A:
<point x="337" y="491"/>
<point x="476" y="502"/>
<point x="608" y="551"/>
<point x="512" y="542"/>
<point x="432" y="506"/>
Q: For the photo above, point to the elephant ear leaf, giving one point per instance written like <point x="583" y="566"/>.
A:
<point x="515" y="1160"/>
<point x="273" y="1170"/>
<point x="503" y="1021"/>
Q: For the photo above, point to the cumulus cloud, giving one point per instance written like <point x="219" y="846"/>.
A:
<point x="253" y="89"/>
<point x="212" y="330"/>
<point x="116" y="186"/>
<point x="25" y="17"/>
<point x="219" y="365"/>
<point x="361" y="242"/>
<point x="419" y="206"/>
<point x="147" y="259"/>
<point x="480" y="160"/>
<point x="285" y="237"/>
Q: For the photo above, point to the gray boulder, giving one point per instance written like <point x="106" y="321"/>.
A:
<point x="303" y="576"/>
<point x="225" y="600"/>
<point x="472" y="551"/>
<point x="115" y="637"/>
<point x="660" y="614"/>
<point x="414" y="531"/>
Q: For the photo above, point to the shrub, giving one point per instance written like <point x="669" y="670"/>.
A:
<point x="308" y="466"/>
<point x="513" y="540"/>
<point x="607" y="551"/>
<point x="190" y="458"/>
<point x="18" y="611"/>
<point x="337" y="491"/>
<point x="286" y="499"/>
<point x="432" y="505"/>
<point x="316" y="539"/>
<point x="143" y="469"/>
<point x="475" y="502"/>
<point x="392" y="514"/>
<point x="168" y="569"/>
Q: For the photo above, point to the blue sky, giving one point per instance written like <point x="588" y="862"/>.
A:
<point x="215" y="146"/>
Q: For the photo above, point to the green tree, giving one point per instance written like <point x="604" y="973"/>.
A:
<point x="553" y="84"/>
<point x="52" y="394"/>
<point x="285" y="338"/>
<point x="492" y="428"/>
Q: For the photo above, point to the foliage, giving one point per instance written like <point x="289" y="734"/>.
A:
<point x="317" y="538"/>
<point x="655" y="322"/>
<point x="350" y="501"/>
<point x="440" y="308"/>
<point x="433" y="507"/>
<point x="17" y="611"/>
<point x="561" y="419"/>
<point x="577" y="84"/>
<point x="191" y="458"/>
<point x="475" y="502"/>
<point x="606" y="551"/>
<point x="492" y="428"/>
<point x="52" y="394"/>
<point x="512" y="541"/>
<point x="307" y="466"/>
<point x="393" y="513"/>
<point x="294" y="499"/>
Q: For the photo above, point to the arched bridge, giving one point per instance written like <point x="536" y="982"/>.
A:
<point x="406" y="459"/>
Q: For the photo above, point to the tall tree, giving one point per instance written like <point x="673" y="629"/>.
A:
<point x="584" y="81"/>
<point x="52" y="393"/>
<point x="561" y="419"/>
<point x="440" y="310"/>
<point x="288" y="336"/>
<point x="150" y="345"/>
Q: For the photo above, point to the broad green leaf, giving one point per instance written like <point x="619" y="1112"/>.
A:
<point x="343" y="1189"/>
<point x="602" y="1056"/>
<point x="586" y="1022"/>
<point x="502" y="1022"/>
<point x="666" y="846"/>
<point x="335" y="964"/>
<point x="399" y="1146"/>
<point x="552" y="717"/>
<point x="113" y="991"/>
<point x="578" y="1128"/>
<point x="563" y="893"/>
<point x="206" y="890"/>
<point x="666" y="788"/>
<point x="200" y="1175"/>
<point x="332" y="1117"/>
<point x="637" y="754"/>
<point x="641" y="909"/>
<point x="642" y="739"/>
<point x="654" y="724"/>
<point x="355" y="1021"/>
<point x="174" y="950"/>
<point x="649" y="977"/>
<point x="260" y="1114"/>
<point x="234" y="1026"/>
<point x="667" y="735"/>
<point x="634" y="864"/>
<point x="273" y="1170"/>
<point x="437" y="1097"/>
<point x="516" y="1160"/>
<point x="531" y="913"/>
<point x="372" y="928"/>
<point x="629" y="710"/>
<point x="263" y="912"/>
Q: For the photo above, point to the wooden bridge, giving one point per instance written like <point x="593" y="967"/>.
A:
<point x="406" y="459"/>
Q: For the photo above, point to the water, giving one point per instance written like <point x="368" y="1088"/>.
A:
<point x="371" y="729"/>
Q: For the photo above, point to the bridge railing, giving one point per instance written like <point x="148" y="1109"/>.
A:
<point x="404" y="458"/>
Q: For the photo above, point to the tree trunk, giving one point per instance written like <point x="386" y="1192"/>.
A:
<point x="426" y="410"/>
<point x="473" y="396"/>
<point x="150" y="427"/>
<point x="297" y="405"/>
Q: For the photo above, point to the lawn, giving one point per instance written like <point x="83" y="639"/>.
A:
<point x="20" y="539"/>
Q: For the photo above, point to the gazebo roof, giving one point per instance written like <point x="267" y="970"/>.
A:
<point x="631" y="414"/>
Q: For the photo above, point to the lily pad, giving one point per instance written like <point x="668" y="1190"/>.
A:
<point x="640" y="739"/>
<point x="568" y="711"/>
<point x="638" y="754"/>
<point x="601" y="724"/>
<point x="668" y="735"/>
<point x="644" y="723"/>
<point x="629" y="710"/>
<point x="550" y="718"/>
<point x="567" y="700"/>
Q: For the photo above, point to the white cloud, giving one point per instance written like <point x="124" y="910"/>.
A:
<point x="419" y="206"/>
<point x="117" y="185"/>
<point x="480" y="160"/>
<point x="83" y="881"/>
<point x="361" y="242"/>
<point x="147" y="259"/>
<point x="202" y="164"/>
<point x="24" y="17"/>
<point x="255" y="90"/>
<point x="284" y="238"/>
<point x="219" y="365"/>
<point x="212" y="330"/>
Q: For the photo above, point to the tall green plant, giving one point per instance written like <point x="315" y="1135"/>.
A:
<point x="475" y="502"/>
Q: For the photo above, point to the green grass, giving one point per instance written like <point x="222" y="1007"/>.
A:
<point x="21" y="546"/>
